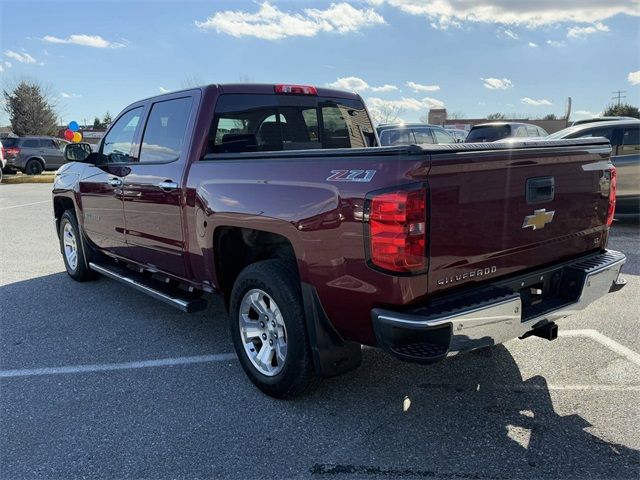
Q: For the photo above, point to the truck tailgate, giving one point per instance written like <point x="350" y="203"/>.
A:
<point x="494" y="212"/>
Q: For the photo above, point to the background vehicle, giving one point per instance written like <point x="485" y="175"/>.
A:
<point x="271" y="196"/>
<point x="599" y="119"/>
<point x="412" y="133"/>
<point x="2" y="160"/>
<point x="459" y="135"/>
<point x="491" y="132"/>
<point x="32" y="155"/>
<point x="624" y="136"/>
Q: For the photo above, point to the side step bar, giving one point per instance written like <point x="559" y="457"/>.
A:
<point x="154" y="288"/>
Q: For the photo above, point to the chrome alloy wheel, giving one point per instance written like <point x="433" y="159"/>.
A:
<point x="70" y="246"/>
<point x="263" y="332"/>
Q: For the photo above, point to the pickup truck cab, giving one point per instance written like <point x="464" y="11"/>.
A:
<point x="278" y="198"/>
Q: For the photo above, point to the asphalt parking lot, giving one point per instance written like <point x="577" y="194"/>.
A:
<point x="99" y="381"/>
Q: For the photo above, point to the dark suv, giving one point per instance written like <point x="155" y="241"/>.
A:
<point x="412" y="133"/>
<point x="494" y="131"/>
<point x="32" y="155"/>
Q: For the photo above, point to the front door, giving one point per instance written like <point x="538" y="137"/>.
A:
<point x="101" y="184"/>
<point x="153" y="191"/>
<point x="53" y="156"/>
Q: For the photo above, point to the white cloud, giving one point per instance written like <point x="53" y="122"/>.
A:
<point x="497" y="83"/>
<point x="583" y="32"/>
<point x="271" y="23"/>
<point x="418" y="87"/>
<point x="356" y="84"/>
<point x="446" y="13"/>
<point x="404" y="103"/>
<point x="95" y="41"/>
<point x="508" y="33"/>
<point x="586" y="113"/>
<point x="533" y="45"/>
<point x="536" y="103"/>
<point x="23" y="57"/>
<point x="349" y="83"/>
<point x="69" y="95"/>
<point x="634" y="77"/>
<point x="555" y="43"/>
<point x="164" y="90"/>
<point x="384" y="88"/>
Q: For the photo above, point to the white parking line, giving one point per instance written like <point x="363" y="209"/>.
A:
<point x="604" y="340"/>
<point x="102" y="367"/>
<point x="25" y="205"/>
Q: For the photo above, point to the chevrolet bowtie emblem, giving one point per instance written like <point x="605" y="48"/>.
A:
<point x="539" y="219"/>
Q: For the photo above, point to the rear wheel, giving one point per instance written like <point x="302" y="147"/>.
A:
<point x="268" y="329"/>
<point x="33" y="167"/>
<point x="71" y="247"/>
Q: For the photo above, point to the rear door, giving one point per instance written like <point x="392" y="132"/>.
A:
<point x="101" y="184"/>
<point x="51" y="153"/>
<point x="153" y="189"/>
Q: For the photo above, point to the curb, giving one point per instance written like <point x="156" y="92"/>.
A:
<point x="16" y="179"/>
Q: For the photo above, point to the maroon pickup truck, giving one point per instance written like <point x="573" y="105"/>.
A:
<point x="279" y="198"/>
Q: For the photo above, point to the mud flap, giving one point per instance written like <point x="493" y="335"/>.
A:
<point x="332" y="355"/>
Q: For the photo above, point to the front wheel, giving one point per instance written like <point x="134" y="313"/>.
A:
<point x="71" y="248"/>
<point x="268" y="329"/>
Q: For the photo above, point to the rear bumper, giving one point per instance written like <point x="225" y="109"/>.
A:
<point x="504" y="311"/>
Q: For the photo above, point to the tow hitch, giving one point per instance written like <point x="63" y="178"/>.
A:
<point x="548" y="331"/>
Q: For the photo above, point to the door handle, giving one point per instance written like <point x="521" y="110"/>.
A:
<point x="115" y="182"/>
<point x="168" y="185"/>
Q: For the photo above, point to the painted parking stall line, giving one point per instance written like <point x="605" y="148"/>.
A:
<point x="25" y="205"/>
<point x="104" y="367"/>
<point x="611" y="344"/>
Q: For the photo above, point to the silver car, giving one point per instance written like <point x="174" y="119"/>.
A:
<point x="33" y="155"/>
<point x="624" y="136"/>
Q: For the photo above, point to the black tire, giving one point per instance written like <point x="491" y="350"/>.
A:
<point x="33" y="167"/>
<point x="80" y="272"/>
<point x="280" y="282"/>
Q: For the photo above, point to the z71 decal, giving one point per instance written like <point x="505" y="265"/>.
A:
<point x="351" y="175"/>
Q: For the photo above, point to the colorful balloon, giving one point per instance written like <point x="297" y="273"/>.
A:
<point x="77" y="136"/>
<point x="68" y="134"/>
<point x="73" y="126"/>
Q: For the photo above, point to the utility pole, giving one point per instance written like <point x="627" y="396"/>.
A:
<point x="619" y="96"/>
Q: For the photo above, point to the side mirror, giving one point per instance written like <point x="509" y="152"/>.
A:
<point x="78" y="152"/>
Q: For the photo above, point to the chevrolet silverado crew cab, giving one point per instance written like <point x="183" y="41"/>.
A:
<point x="279" y="198"/>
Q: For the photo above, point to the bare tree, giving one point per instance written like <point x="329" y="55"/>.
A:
<point x="456" y="115"/>
<point x="385" y="113"/>
<point x="496" y="116"/>
<point x="31" y="109"/>
<point x="191" y="81"/>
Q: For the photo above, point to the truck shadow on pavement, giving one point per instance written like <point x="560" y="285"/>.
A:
<point x="470" y="416"/>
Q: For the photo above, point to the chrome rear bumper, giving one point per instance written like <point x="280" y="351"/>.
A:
<point x="491" y="317"/>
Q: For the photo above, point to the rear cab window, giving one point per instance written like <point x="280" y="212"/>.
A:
<point x="262" y="123"/>
<point x="399" y="136"/>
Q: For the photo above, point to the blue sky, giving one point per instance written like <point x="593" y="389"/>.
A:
<point x="494" y="56"/>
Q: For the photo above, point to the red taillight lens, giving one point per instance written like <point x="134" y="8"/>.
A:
<point x="12" y="151"/>
<point x="296" y="89"/>
<point x="397" y="231"/>
<point x="613" y="187"/>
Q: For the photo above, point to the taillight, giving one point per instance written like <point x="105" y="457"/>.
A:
<point x="613" y="187"/>
<point x="296" y="89"/>
<point x="397" y="223"/>
<point x="12" y="151"/>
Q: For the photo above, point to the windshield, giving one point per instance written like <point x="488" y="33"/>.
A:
<point x="490" y="133"/>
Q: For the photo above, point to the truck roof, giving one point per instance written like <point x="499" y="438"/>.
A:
<point x="257" y="88"/>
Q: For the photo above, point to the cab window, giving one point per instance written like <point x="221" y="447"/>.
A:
<point x="118" y="143"/>
<point x="164" y="135"/>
